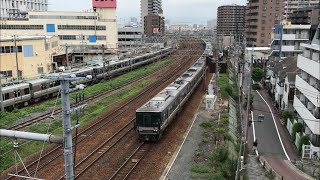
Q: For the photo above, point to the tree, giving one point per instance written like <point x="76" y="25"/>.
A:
<point x="257" y="74"/>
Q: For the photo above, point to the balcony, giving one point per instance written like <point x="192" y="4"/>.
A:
<point x="312" y="122"/>
<point x="310" y="66"/>
<point x="308" y="91"/>
<point x="302" y="36"/>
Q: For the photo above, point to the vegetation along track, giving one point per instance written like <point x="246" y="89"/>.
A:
<point x="54" y="153"/>
<point x="90" y="99"/>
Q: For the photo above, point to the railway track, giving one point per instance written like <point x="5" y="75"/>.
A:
<point x="101" y="150"/>
<point x="90" y="99"/>
<point x="109" y="118"/>
<point x="125" y="170"/>
<point x="55" y="152"/>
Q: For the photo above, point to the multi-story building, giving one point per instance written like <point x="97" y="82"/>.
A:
<point x="292" y="5"/>
<point x="287" y="38"/>
<point x="129" y="37"/>
<point x="32" y="58"/>
<point x="308" y="15"/>
<point x="74" y="28"/>
<point x="154" y="25"/>
<point x="231" y="20"/>
<point x="307" y="98"/>
<point x="211" y="23"/>
<point x="261" y="16"/>
<point x="19" y="8"/>
<point x="149" y="7"/>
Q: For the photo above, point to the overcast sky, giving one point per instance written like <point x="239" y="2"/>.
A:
<point x="177" y="11"/>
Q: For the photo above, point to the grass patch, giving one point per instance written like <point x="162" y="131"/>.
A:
<point x="200" y="169"/>
<point x="91" y="111"/>
<point x="206" y="124"/>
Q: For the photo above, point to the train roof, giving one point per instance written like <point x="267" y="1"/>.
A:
<point x="14" y="87"/>
<point x="159" y="102"/>
<point x="38" y="81"/>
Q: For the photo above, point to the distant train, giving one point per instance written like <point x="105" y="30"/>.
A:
<point x="30" y="91"/>
<point x="154" y="116"/>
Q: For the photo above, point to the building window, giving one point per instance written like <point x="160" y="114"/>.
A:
<point x="262" y="34"/>
<point x="6" y="73"/>
<point x="262" y="41"/>
<point x="40" y="70"/>
<point x="263" y="28"/>
<point x="263" y="22"/>
<point x="9" y="49"/>
<point x="28" y="51"/>
<point x="81" y="27"/>
<point x="264" y="14"/>
<point x="22" y="27"/>
<point x="264" y="1"/>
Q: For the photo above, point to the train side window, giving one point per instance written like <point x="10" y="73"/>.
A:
<point x="6" y="96"/>
<point x="17" y="93"/>
<point x="26" y="91"/>
<point x="43" y="86"/>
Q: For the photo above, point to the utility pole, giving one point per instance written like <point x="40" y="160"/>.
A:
<point x="67" y="57"/>
<point x="1" y="98"/>
<point x="104" y="63"/>
<point x="16" y="52"/>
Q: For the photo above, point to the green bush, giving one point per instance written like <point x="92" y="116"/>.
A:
<point x="206" y="124"/>
<point x="220" y="155"/>
<point x="217" y="175"/>
<point x="270" y="174"/>
<point x="297" y="127"/>
<point x="200" y="169"/>
<point x="256" y="86"/>
<point x="285" y="115"/>
<point x="205" y="140"/>
<point x="304" y="140"/>
<point x="257" y="74"/>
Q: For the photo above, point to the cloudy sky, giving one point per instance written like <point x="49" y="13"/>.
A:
<point x="177" y="11"/>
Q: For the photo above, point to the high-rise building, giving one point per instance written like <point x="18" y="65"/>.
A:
<point x="19" y="8"/>
<point x="231" y="20"/>
<point x="292" y="5"/>
<point x="261" y="16"/>
<point x="150" y="7"/>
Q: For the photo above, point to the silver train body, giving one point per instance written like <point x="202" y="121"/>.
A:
<point x="28" y="92"/>
<point x="154" y="116"/>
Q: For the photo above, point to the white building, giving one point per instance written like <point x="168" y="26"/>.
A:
<point x="180" y="27"/>
<point x="286" y="39"/>
<point x="288" y="93"/>
<point x="74" y="28"/>
<point x="307" y="98"/>
<point x="19" y="8"/>
<point x="149" y="7"/>
<point x="291" y="5"/>
<point x="129" y="37"/>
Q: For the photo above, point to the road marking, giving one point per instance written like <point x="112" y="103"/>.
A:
<point x="274" y="121"/>
<point x="254" y="133"/>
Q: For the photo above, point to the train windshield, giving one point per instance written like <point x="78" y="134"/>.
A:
<point x="148" y="119"/>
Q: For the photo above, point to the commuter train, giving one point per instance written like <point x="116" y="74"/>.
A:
<point x="154" y="116"/>
<point x="30" y="91"/>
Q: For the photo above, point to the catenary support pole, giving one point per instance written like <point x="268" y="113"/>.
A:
<point x="31" y="136"/>
<point x="1" y="98"/>
<point x="67" y="130"/>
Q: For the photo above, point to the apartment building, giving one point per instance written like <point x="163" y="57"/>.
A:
<point x="308" y="15"/>
<point x="307" y="97"/>
<point x="261" y="16"/>
<point x="19" y="9"/>
<point x="74" y="28"/>
<point x="180" y="27"/>
<point x="292" y="5"/>
<point x="154" y="25"/>
<point x="231" y="20"/>
<point x="149" y="7"/>
<point x="32" y="58"/>
<point x="286" y="40"/>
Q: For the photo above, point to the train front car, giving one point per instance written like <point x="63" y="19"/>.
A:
<point x="154" y="116"/>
